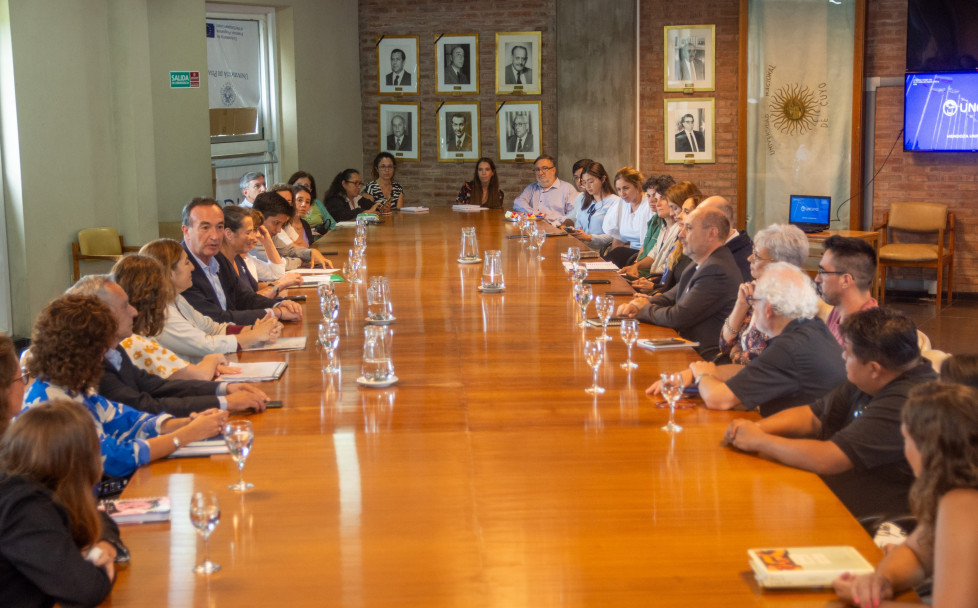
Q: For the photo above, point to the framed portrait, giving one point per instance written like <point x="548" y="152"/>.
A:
<point x="457" y="63"/>
<point x="689" y="130"/>
<point x="690" y="56"/>
<point x="397" y="65"/>
<point x="518" y="62"/>
<point x="518" y="131"/>
<point x="458" y="132"/>
<point x="398" y="129"/>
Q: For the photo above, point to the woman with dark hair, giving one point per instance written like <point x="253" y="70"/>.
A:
<point x="674" y="261"/>
<point x="343" y="199"/>
<point x="50" y="529"/>
<point x="940" y="435"/>
<point x="383" y="189"/>
<point x="71" y="336"/>
<point x="12" y="382"/>
<point x="240" y="237"/>
<point x="962" y="369"/>
<point x="186" y="331"/>
<point x="599" y="198"/>
<point x="483" y="190"/>
<point x="143" y="280"/>
<point x="662" y="231"/>
<point x="302" y="200"/>
<point x="318" y="218"/>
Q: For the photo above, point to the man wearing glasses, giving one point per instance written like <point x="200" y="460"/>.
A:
<point x="548" y="195"/>
<point x="801" y="363"/>
<point x="689" y="140"/>
<point x="845" y="276"/>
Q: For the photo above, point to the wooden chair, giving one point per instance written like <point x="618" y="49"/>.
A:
<point x="919" y="218"/>
<point x="97" y="245"/>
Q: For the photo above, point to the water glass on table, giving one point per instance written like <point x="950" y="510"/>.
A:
<point x="329" y="339"/>
<point x="605" y="307"/>
<point x="329" y="306"/>
<point x="468" y="246"/>
<point x="377" y="364"/>
<point x="582" y="295"/>
<point x="239" y="436"/>
<point x="672" y="389"/>
<point x="593" y="354"/>
<point x="205" y="514"/>
<point x="629" y="335"/>
<point x="492" y="270"/>
<point x="379" y="306"/>
<point x="538" y="237"/>
<point x="574" y="258"/>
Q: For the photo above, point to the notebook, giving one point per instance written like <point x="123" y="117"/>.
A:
<point x="810" y="213"/>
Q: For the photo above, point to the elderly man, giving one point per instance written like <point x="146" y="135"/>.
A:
<point x="520" y="141"/>
<point x="216" y="291"/>
<point x="456" y="73"/>
<point x="548" y="195"/>
<point x="845" y="276"/>
<point x="852" y="437"/>
<point x="516" y="71"/>
<point x="399" y="138"/>
<point x="705" y="294"/>
<point x="252" y="184"/>
<point x="737" y="242"/>
<point x="801" y="362"/>
<point x="125" y="383"/>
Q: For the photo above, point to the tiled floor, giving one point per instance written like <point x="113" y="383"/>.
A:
<point x="954" y="331"/>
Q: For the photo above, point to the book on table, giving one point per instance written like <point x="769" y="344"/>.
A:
<point x="293" y="343"/>
<point x="261" y="371"/>
<point x="797" y="567"/>
<point x="137" y="510"/>
<point x="206" y="447"/>
<point x="666" y="343"/>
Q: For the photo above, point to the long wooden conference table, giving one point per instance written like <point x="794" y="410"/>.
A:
<point x="485" y="476"/>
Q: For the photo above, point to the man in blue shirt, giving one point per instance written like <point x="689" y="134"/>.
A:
<point x="549" y="195"/>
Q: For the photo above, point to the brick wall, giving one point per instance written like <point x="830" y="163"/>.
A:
<point x="916" y="176"/>
<point x="721" y="177"/>
<point x="431" y="182"/>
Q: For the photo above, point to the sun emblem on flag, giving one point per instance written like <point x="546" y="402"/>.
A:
<point x="794" y="109"/>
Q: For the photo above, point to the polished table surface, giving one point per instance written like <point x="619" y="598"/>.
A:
<point x="485" y="476"/>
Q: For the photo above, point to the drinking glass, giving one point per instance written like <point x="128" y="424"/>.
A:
<point x="360" y="244"/>
<point x="379" y="306"/>
<point x="529" y="235"/>
<point x="574" y="257"/>
<point x="362" y="227"/>
<point x="593" y="354"/>
<point x="629" y="334"/>
<point x="325" y="288"/>
<point x="469" y="246"/>
<point x="329" y="339"/>
<point x="329" y="306"/>
<point x="492" y="270"/>
<point x="539" y="236"/>
<point x="580" y="273"/>
<point x="525" y="224"/>
<point x="672" y="388"/>
<point x="582" y="295"/>
<point x="348" y="274"/>
<point x="239" y="436"/>
<point x="205" y="513"/>
<point x="604" y="306"/>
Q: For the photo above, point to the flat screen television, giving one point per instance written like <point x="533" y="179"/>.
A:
<point x="940" y="112"/>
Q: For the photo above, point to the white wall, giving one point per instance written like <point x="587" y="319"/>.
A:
<point x="94" y="136"/>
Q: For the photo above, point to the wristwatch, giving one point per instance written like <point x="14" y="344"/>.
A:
<point x="176" y="443"/>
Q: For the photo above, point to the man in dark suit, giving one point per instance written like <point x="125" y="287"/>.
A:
<point x="457" y="72"/>
<point x="517" y="72"/>
<point x="399" y="139"/>
<point x="520" y="141"/>
<point x="697" y="306"/>
<point x="459" y="141"/>
<point x="216" y="291"/>
<point x="125" y="383"/>
<point x="689" y="140"/>
<point x="739" y="243"/>
<point x="397" y="77"/>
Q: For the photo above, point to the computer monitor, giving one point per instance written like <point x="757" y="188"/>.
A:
<point x="810" y="213"/>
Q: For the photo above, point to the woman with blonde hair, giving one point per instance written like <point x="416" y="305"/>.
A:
<point x="50" y="550"/>
<point x="940" y="435"/>
<point x="628" y="221"/>
<point x="186" y="331"/>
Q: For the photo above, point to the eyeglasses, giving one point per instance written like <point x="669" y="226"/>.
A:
<point x="24" y="376"/>
<point x="542" y="169"/>
<point x="356" y="183"/>
<point x="385" y="167"/>
<point x="821" y="271"/>
<point x="751" y="300"/>
<point x="758" y="257"/>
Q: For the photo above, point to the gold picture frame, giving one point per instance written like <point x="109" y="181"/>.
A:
<point x="513" y="145"/>
<point x="690" y="130"/>
<point x="390" y="80"/>
<point x="451" y="78"/>
<point x="398" y="129"/>
<point x="458" y="132"/>
<point x="689" y="56"/>
<point x="512" y="47"/>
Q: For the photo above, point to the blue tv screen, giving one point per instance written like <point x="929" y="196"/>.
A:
<point x="940" y="112"/>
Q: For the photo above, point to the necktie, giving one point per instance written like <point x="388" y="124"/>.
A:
<point x="519" y="77"/>
<point x="397" y="80"/>
<point x="519" y="145"/>
<point x="397" y="143"/>
<point x="458" y="142"/>
<point x="692" y="142"/>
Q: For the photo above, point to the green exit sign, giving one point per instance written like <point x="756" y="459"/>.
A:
<point x="185" y="80"/>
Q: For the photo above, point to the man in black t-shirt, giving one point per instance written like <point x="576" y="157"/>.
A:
<point x="852" y="438"/>
<point x="801" y="362"/>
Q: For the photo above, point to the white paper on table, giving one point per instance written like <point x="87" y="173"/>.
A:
<point x="207" y="447"/>
<point x="307" y="271"/>
<point x="296" y="343"/>
<point x="417" y="209"/>
<point x="600" y="266"/>
<point x="262" y="371"/>
<point x="468" y="208"/>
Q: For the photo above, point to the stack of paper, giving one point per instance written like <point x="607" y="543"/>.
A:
<point x="467" y="208"/>
<point x="196" y="449"/>
<point x="600" y="266"/>
<point x="296" y="343"/>
<point x="263" y="371"/>
<point x="418" y="209"/>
